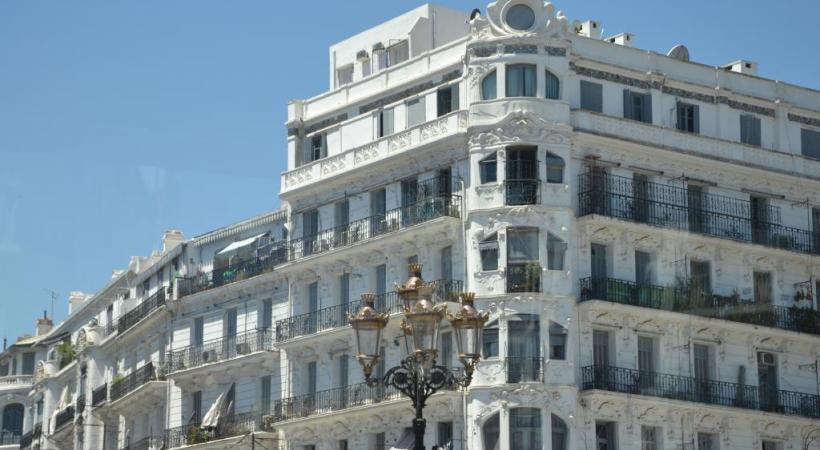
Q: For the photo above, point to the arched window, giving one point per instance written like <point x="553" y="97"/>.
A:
<point x="555" y="168"/>
<point x="13" y="419"/>
<point x="553" y="90"/>
<point x="489" y="90"/>
<point x="559" y="434"/>
<point x="525" y="428"/>
<point x="491" y="432"/>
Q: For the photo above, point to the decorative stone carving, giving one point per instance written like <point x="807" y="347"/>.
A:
<point x="520" y="127"/>
<point x="332" y="164"/>
<point x="398" y="141"/>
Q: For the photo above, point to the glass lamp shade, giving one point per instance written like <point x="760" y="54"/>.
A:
<point x="368" y="324"/>
<point x="468" y="325"/>
<point x="423" y="323"/>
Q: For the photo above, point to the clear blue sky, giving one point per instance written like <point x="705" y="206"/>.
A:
<point x="120" y="119"/>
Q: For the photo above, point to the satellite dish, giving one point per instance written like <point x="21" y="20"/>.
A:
<point x="679" y="52"/>
<point x="475" y="13"/>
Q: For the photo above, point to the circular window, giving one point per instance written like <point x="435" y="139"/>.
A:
<point x="520" y="17"/>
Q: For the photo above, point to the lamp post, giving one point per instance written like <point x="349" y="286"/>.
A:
<point x="417" y="376"/>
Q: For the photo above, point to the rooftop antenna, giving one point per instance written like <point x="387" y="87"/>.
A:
<point x="54" y="294"/>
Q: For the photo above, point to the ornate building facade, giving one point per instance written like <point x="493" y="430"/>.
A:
<point x="643" y="229"/>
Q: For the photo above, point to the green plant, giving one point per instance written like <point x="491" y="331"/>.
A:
<point x="117" y="378"/>
<point x="66" y="352"/>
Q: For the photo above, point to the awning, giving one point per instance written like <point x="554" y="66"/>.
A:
<point x="221" y="406"/>
<point x="406" y="442"/>
<point x="239" y="244"/>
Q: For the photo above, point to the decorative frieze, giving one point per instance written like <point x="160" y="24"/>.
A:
<point x="555" y="51"/>
<point x="483" y="52"/>
<point x="521" y="49"/>
<point x="804" y="120"/>
<point x="613" y="77"/>
<point x="688" y="94"/>
<point x="326" y="123"/>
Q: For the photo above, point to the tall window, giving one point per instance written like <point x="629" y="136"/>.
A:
<point x="637" y="106"/>
<point x="416" y="112"/>
<point x="750" y="130"/>
<point x="523" y="268"/>
<point x="600" y="348"/>
<point x="490" y="432"/>
<point x="266" y="313"/>
<point x="521" y="80"/>
<point x="646" y="354"/>
<point x="446" y="355"/>
<point x="810" y="143"/>
<point x="385" y="122"/>
<point x="310" y="388"/>
<point x="12" y="420"/>
<point x="553" y="86"/>
<point x="688" y="117"/>
<point x="650" y="438"/>
<point x="558" y="341"/>
<point x="444" y="432"/>
<point x="196" y="407"/>
<point x="770" y="445"/>
<point x="525" y="428"/>
<point x="605" y="435"/>
<point x="708" y="441"/>
<point x="701" y="278"/>
<point x="315" y="147"/>
<point x="592" y="96"/>
<point x="447" y="263"/>
<point x="490" y="343"/>
<point x="488" y="249"/>
<point x="398" y="53"/>
<point x="763" y="287"/>
<point x="447" y="100"/>
<point x="198" y="331"/>
<point x="344" y="75"/>
<point x="560" y="434"/>
<point x="489" y="86"/>
<point x="555" y="168"/>
<point x="265" y="392"/>
<point x="28" y="363"/>
<point x="556" y="250"/>
<point x="488" y="168"/>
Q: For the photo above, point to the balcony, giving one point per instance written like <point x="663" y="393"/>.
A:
<point x="522" y="192"/>
<point x="362" y="230"/>
<point x="222" y="359"/>
<point x="63" y="418"/>
<point x="522" y="369"/>
<point x="355" y="150"/>
<point x="721" y="393"/>
<point x="9" y="438"/>
<point x="16" y="381"/>
<point x="336" y="316"/>
<point x="141" y="390"/>
<point x="132" y="381"/>
<point x="732" y="308"/>
<point x="681" y="209"/>
<point x="523" y="278"/>
<point x="146" y="443"/>
<point x="99" y="395"/>
<point x="235" y="426"/>
<point x="143" y="310"/>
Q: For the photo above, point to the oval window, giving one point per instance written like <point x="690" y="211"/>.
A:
<point x="520" y="17"/>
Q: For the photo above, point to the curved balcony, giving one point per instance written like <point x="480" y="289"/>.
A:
<point x="677" y="208"/>
<point x="234" y="426"/>
<point x="16" y="381"/>
<point x="334" y="317"/>
<point x="732" y="308"/>
<point x="689" y="389"/>
<point x="9" y="438"/>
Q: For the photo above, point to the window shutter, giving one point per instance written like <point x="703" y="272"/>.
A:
<point x="627" y="104"/>
<point x="647" y="108"/>
<point x="454" y="97"/>
<point x="696" y="115"/>
<point x="756" y="137"/>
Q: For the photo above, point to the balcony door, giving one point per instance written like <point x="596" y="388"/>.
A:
<point x="523" y="348"/>
<point x="313" y="307"/>
<point x="598" y="270"/>
<point x="310" y="228"/>
<point x="640" y="201"/>
<point x="696" y="208"/>
<point x="522" y="176"/>
<point x="815" y="226"/>
<point x="378" y="209"/>
<point x="341" y="221"/>
<point x="767" y="380"/>
<point x="647" y="361"/>
<point x="759" y="212"/>
<point x="381" y="287"/>
<point x="703" y="368"/>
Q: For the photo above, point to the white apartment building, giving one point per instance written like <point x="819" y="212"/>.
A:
<point x="643" y="229"/>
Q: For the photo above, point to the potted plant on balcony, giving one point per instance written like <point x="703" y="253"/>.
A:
<point x="66" y="352"/>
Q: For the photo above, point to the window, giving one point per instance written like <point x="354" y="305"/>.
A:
<point x="415" y="112"/>
<point x="688" y="117"/>
<point x="763" y="287"/>
<point x="266" y="314"/>
<point x="265" y="392"/>
<point x="380" y="441"/>
<point x="559" y="434"/>
<point x="398" y="53"/>
<point x="707" y="441"/>
<point x="344" y="75"/>
<point x="555" y="168"/>
<point x="525" y="428"/>
<point x="553" y="87"/>
<point x="600" y="348"/>
<point x="196" y="407"/>
<point x="558" y="341"/>
<point x="522" y="245"/>
<point x="447" y="263"/>
<point x="488" y="168"/>
<point x="385" y="122"/>
<point x="810" y="143"/>
<point x="556" y="250"/>
<point x="592" y="96"/>
<point x="490" y="343"/>
<point x="198" y="331"/>
<point x="343" y="444"/>
<point x="521" y="163"/>
<point x="444" y="431"/>
<point x="28" y="363"/>
<point x="315" y="147"/>
<point x="520" y="17"/>
<point x="488" y="249"/>
<point x="638" y="106"/>
<point x="700" y="276"/>
<point x="605" y="435"/>
<point x="310" y="388"/>
<point x="446" y="354"/>
<point x="643" y="268"/>
<point x="447" y="100"/>
<point x="489" y="88"/>
<point x="750" y="130"/>
<point x="229" y="324"/>
<point x="521" y="80"/>
<point x="650" y="438"/>
<point x="491" y="431"/>
<point x="343" y="370"/>
<point x="769" y="445"/>
<point x="702" y="362"/>
<point x="646" y="354"/>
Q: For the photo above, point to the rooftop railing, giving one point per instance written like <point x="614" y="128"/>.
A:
<point x="690" y="210"/>
<point x="229" y="426"/>
<point x="704" y="304"/>
<point x="132" y="381"/>
<point x="222" y="349"/>
<point x="675" y="387"/>
<point x="336" y="316"/>
<point x="143" y="310"/>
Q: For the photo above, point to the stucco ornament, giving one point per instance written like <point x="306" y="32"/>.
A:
<point x="519" y="126"/>
<point x="544" y="22"/>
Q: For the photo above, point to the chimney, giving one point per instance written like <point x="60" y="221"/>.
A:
<point x="75" y="301"/>
<point x="590" y="29"/>
<point x="625" y="39"/>
<point x="170" y="239"/>
<point x="44" y="325"/>
<point x="741" y="66"/>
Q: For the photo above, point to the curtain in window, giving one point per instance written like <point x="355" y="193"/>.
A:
<point x="521" y="80"/>
<point x="522" y="245"/>
<point x="555" y="168"/>
<point x="556" y="249"/>
<point x="525" y="428"/>
<point x="489" y="87"/>
<point x="553" y="86"/>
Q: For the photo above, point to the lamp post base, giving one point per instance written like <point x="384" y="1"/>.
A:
<point x="419" y="425"/>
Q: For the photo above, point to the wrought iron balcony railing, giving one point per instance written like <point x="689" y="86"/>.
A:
<point x="9" y="438"/>
<point x="146" y="443"/>
<point x="523" y="278"/>
<point x="222" y="349"/>
<point x="229" y="426"/>
<point x="522" y="192"/>
<point x="63" y="418"/>
<point x="524" y="368"/>
<point x="336" y="316"/>
<point x="26" y="440"/>
<point x="704" y="304"/>
<point x="99" y="395"/>
<point x="143" y="310"/>
<point x="675" y="387"/>
<point x="694" y="211"/>
<point x="424" y="209"/>
<point x="132" y="381"/>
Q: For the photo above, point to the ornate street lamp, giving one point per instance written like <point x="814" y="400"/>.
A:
<point x="418" y="377"/>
